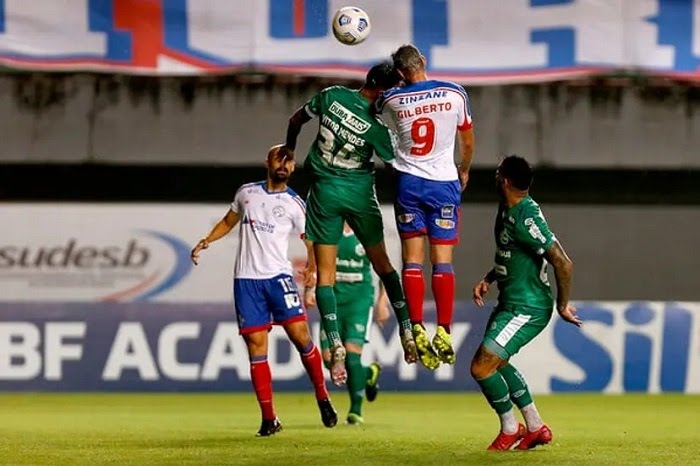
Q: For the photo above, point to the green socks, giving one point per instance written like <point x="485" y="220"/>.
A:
<point x="392" y="284"/>
<point x="519" y="392"/>
<point x="357" y="377"/>
<point x="328" y="307"/>
<point x="495" y="390"/>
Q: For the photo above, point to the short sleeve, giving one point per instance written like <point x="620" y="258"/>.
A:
<point x="237" y="204"/>
<point x="313" y="106"/>
<point x="385" y="142"/>
<point x="464" y="121"/>
<point x="533" y="232"/>
<point x="299" y="216"/>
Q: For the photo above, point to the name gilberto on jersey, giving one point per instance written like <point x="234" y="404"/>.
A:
<point x="423" y="109"/>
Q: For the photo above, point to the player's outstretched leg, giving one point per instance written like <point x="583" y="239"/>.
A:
<point x="495" y="389"/>
<point x="538" y="433"/>
<point x="443" y="286"/>
<point x="356" y="383"/>
<point x="328" y="308"/>
<point x="392" y="284"/>
<point x="372" y="381"/>
<point x="313" y="363"/>
<point x="414" y="286"/>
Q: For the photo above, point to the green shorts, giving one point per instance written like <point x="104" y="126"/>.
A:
<point x="330" y="202"/>
<point x="513" y="326"/>
<point x="353" y="323"/>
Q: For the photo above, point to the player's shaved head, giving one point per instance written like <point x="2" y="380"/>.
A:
<point x="408" y="59"/>
<point x="280" y="152"/>
<point x="517" y="170"/>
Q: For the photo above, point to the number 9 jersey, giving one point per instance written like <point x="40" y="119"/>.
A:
<point x="427" y="115"/>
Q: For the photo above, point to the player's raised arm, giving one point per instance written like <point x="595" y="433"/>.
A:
<point x="563" y="271"/>
<point x="310" y="110"/>
<point x="221" y="229"/>
<point x="296" y="121"/>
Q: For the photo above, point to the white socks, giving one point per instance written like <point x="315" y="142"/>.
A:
<point x="532" y="417"/>
<point x="509" y="423"/>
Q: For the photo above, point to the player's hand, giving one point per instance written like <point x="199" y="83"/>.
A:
<point x="308" y="276"/>
<point x="381" y="313"/>
<point x="480" y="291"/>
<point x="463" y="178"/>
<point x="194" y="255"/>
<point x="569" y="315"/>
<point x="310" y="297"/>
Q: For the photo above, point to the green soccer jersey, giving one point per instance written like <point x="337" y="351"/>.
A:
<point x="353" y="277"/>
<point x="522" y="237"/>
<point x="349" y="134"/>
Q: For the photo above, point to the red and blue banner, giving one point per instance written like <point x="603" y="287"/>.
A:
<point x="470" y="41"/>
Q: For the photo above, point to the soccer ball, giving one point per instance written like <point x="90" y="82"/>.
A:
<point x="351" y="25"/>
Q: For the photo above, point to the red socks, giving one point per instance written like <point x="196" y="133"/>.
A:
<point x="313" y="363"/>
<point x="262" y="383"/>
<point x="443" y="285"/>
<point x="414" y="288"/>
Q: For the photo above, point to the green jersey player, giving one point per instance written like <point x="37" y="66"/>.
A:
<point x="524" y="246"/>
<point x="341" y="172"/>
<point x="355" y="291"/>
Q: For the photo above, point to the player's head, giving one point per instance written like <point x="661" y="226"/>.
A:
<point x="408" y="61"/>
<point x="280" y="163"/>
<point x="514" y="173"/>
<point x="381" y="77"/>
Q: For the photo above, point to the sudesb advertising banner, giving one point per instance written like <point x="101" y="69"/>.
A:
<point x="124" y="253"/>
<point x="623" y="347"/>
<point x="471" y="41"/>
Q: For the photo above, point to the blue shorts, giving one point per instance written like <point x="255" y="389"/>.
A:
<point x="428" y="207"/>
<point x="260" y="303"/>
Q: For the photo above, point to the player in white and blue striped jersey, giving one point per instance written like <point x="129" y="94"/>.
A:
<point x="264" y="290"/>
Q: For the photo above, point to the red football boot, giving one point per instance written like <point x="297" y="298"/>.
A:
<point x="541" y="436"/>
<point x="506" y="441"/>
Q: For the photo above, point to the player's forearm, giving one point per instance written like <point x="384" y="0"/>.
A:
<point x="310" y="256"/>
<point x="466" y="150"/>
<point x="294" y="126"/>
<point x="293" y="130"/>
<point x="563" y="272"/>
<point x="490" y="277"/>
<point x="221" y="229"/>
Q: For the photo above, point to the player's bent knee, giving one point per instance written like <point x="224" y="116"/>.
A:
<point x="484" y="364"/>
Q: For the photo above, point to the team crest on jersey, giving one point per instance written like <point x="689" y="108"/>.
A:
<point x="447" y="211"/>
<point x="349" y="119"/>
<point x="406" y="218"/>
<point x="359" y="250"/>
<point x="444" y="223"/>
<point x="278" y="211"/>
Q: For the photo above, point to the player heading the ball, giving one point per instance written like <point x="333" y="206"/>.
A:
<point x="341" y="171"/>
<point x="428" y="114"/>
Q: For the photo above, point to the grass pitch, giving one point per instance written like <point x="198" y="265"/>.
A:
<point x="440" y="429"/>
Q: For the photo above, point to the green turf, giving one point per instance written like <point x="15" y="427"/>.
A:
<point x="439" y="429"/>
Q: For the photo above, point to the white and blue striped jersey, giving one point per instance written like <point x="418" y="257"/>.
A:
<point x="267" y="219"/>
<point x="427" y="115"/>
